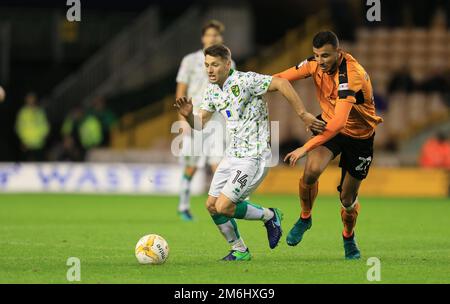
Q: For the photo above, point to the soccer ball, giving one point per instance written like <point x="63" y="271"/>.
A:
<point x="152" y="249"/>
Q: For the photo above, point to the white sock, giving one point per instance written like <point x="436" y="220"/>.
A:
<point x="254" y="212"/>
<point x="229" y="231"/>
<point x="251" y="211"/>
<point x="268" y="214"/>
<point x="239" y="245"/>
<point x="185" y="193"/>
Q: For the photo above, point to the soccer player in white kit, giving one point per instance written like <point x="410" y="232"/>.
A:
<point x="192" y="81"/>
<point x="238" y="97"/>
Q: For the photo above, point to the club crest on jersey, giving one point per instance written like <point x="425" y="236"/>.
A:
<point x="236" y="91"/>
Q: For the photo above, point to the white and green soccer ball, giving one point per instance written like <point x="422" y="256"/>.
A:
<point x="152" y="249"/>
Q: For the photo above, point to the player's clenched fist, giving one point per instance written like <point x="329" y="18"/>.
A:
<point x="184" y="106"/>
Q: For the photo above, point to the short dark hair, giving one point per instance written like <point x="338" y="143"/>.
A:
<point x="325" y="37"/>
<point x="218" y="50"/>
<point x="215" y="24"/>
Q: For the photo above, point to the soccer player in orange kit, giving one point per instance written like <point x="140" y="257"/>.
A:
<point x="345" y="95"/>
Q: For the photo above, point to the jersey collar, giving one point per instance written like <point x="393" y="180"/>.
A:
<point x="230" y="74"/>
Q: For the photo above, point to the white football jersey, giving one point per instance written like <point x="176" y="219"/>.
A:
<point x="246" y="113"/>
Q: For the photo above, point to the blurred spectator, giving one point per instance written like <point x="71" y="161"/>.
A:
<point x="402" y="81"/>
<point x="105" y="115"/>
<point x="436" y="152"/>
<point x="90" y="131"/>
<point x="80" y="133"/>
<point x="32" y="128"/>
<point x="71" y="148"/>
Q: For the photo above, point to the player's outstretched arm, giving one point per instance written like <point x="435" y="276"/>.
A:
<point x="300" y="71"/>
<point x="334" y="126"/>
<point x="285" y="88"/>
<point x="185" y="109"/>
<point x="290" y="74"/>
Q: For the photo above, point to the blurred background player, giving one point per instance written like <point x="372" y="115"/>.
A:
<point x="346" y="98"/>
<point x="435" y="152"/>
<point x="191" y="82"/>
<point x="238" y="97"/>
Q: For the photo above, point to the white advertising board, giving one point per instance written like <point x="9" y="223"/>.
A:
<point x="95" y="178"/>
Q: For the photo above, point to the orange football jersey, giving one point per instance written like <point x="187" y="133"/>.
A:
<point x="350" y="83"/>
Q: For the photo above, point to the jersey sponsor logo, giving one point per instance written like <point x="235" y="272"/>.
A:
<point x="236" y="91"/>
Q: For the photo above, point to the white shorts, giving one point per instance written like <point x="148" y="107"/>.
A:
<point x="237" y="178"/>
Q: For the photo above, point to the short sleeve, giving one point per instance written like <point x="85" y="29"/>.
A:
<point x="303" y="69"/>
<point x="350" y="82"/>
<point x="207" y="103"/>
<point x="300" y="71"/>
<point x="257" y="84"/>
<point x="184" y="71"/>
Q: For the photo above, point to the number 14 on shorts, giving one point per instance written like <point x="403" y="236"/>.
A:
<point x="242" y="180"/>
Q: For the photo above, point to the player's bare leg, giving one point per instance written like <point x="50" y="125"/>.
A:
<point x="316" y="162"/>
<point x="349" y="213"/>
<point x="185" y="193"/>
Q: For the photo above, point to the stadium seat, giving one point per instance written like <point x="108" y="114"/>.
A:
<point x="395" y="117"/>
<point x="436" y="106"/>
<point x="417" y="105"/>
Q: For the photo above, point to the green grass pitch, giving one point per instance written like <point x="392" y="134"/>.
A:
<point x="39" y="232"/>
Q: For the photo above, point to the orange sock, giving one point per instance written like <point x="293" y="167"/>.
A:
<point x="349" y="219"/>
<point x="308" y="194"/>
